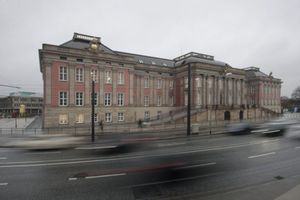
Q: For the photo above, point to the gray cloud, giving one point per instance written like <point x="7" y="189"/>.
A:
<point x="263" y="33"/>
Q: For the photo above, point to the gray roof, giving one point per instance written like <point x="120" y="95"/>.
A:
<point x="149" y="59"/>
<point x="81" y="44"/>
<point x="193" y="59"/>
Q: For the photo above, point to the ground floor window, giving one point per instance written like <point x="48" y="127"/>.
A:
<point x="120" y="116"/>
<point x="63" y="119"/>
<point x="147" y="115"/>
<point x="79" y="118"/>
<point x="108" y="117"/>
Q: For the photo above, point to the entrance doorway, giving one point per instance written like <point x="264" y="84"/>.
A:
<point x="226" y="115"/>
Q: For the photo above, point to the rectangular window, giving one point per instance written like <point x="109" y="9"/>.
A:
<point x="171" y="84"/>
<point x="79" y="74"/>
<point x="108" y="77"/>
<point x="94" y="75"/>
<point x="95" y="98"/>
<point x="120" y="99"/>
<point x="158" y="114"/>
<point x="63" y="119"/>
<point x="79" y="118"/>
<point x="95" y="117"/>
<point x="146" y="115"/>
<point x="120" y="116"/>
<point x="108" y="117"/>
<point x="79" y="98"/>
<point x="107" y="99"/>
<point x="146" y="82"/>
<point x="146" y="100"/>
<point x="186" y="82"/>
<point x="121" y="78"/>
<point x="63" y="98"/>
<point x="63" y="73"/>
<point x="159" y="83"/>
<point x="158" y="101"/>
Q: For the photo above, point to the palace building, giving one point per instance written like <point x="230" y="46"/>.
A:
<point x="130" y="87"/>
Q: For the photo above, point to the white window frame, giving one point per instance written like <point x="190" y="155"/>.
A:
<point x="108" y="117"/>
<point x="121" y="78"/>
<point x="158" y="100"/>
<point x="107" y="99"/>
<point x="108" y="77"/>
<point x="120" y="99"/>
<point x="63" y="100"/>
<point x="63" y="73"/>
<point x="79" y="98"/>
<point x="146" y="115"/>
<point x="94" y="75"/>
<point x="146" y="82"/>
<point x="159" y="83"/>
<point x="146" y="100"/>
<point x="79" y="74"/>
<point x="79" y="118"/>
<point x="63" y="119"/>
<point x="121" y="117"/>
<point x="95" y="117"/>
<point x="96" y="98"/>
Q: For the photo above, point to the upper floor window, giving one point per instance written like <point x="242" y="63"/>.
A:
<point x="107" y="99"/>
<point x="94" y="75"/>
<point x="159" y="83"/>
<point x="146" y="82"/>
<point x="79" y="74"/>
<point x="63" y="98"/>
<point x="79" y="98"/>
<point x="171" y="85"/>
<point x="120" y="99"/>
<point x="95" y="99"/>
<point x="108" y="77"/>
<point x="63" y="73"/>
<point x="146" y="100"/>
<point x="120" y="116"/>
<point x="158" y="100"/>
<point x="120" y="78"/>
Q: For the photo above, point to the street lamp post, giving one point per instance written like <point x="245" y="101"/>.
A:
<point x="93" y="109"/>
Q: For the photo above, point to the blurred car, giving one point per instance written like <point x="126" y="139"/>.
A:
<point x="239" y="128"/>
<point x="47" y="142"/>
<point x="274" y="127"/>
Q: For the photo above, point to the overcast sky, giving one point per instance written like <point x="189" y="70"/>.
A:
<point x="261" y="33"/>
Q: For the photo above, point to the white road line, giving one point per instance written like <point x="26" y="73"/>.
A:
<point x="3" y="184"/>
<point x="3" y="158"/>
<point x="171" y="144"/>
<point x="100" y="176"/>
<point x="42" y="153"/>
<point x="195" y="166"/>
<point x="261" y="155"/>
<point x="104" y="176"/>
<point x="90" y="148"/>
<point x="297" y="147"/>
<point x="175" y="180"/>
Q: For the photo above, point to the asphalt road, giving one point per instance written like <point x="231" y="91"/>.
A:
<point x="210" y="167"/>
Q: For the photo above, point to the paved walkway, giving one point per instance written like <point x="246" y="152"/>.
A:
<point x="293" y="194"/>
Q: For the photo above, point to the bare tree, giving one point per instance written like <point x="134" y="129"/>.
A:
<point x="296" y="93"/>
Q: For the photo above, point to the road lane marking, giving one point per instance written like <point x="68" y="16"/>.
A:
<point x="195" y="166"/>
<point x="3" y="184"/>
<point x="104" y="176"/>
<point x="94" y="159"/>
<point x="91" y="148"/>
<point x="175" y="180"/>
<point x="261" y="155"/>
<point x="42" y="153"/>
<point x="171" y="144"/>
<point x="95" y="177"/>
<point x="297" y="148"/>
<point x="3" y="158"/>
